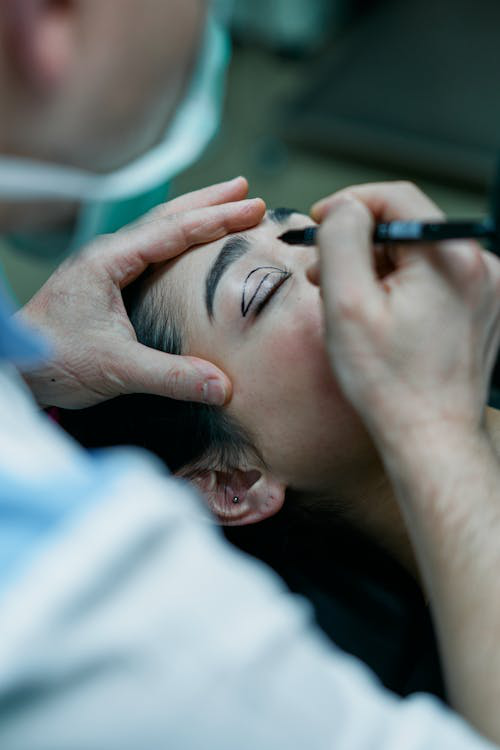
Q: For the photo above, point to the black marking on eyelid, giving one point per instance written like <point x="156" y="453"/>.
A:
<point x="245" y="308"/>
<point x="285" y="275"/>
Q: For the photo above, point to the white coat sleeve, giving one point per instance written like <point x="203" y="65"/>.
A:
<point x="140" y="628"/>
<point x="127" y="622"/>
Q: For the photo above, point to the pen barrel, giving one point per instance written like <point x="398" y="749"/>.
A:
<point x="433" y="231"/>
<point x="413" y="231"/>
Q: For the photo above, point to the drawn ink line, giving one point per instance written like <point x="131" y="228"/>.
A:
<point x="245" y="308"/>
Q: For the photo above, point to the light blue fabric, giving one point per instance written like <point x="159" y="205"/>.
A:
<point x="34" y="507"/>
<point x="17" y="343"/>
<point x="109" y="201"/>
<point x="34" y="511"/>
<point x="133" y="615"/>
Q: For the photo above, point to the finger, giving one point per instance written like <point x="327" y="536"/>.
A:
<point x="223" y="192"/>
<point x="387" y="201"/>
<point x="492" y="262"/>
<point x="157" y="241"/>
<point x="348" y="279"/>
<point x="313" y="272"/>
<point x="178" y="377"/>
<point x="462" y="262"/>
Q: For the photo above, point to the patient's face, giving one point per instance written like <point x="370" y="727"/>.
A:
<point x="251" y="309"/>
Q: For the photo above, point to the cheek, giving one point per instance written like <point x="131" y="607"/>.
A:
<point x="287" y="396"/>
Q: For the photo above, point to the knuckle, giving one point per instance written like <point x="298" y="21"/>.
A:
<point x="91" y="262"/>
<point x="97" y="250"/>
<point x="408" y="187"/>
<point x="472" y="262"/>
<point x="350" y="305"/>
<point x="181" y="233"/>
<point x="103" y="242"/>
<point x="176" y="229"/>
<point x="158" y="212"/>
<point x="478" y="267"/>
<point x="175" y="382"/>
<point x="207" y="231"/>
<point x="351" y="214"/>
<point x="417" y="202"/>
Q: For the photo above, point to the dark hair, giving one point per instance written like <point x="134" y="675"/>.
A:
<point x="181" y="433"/>
<point x="356" y="591"/>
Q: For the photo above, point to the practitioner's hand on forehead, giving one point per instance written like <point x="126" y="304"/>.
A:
<point x="80" y="308"/>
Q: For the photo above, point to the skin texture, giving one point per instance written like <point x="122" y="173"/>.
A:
<point x="80" y="309"/>
<point x="281" y="347"/>
<point x="100" y="79"/>
<point x="284" y="392"/>
<point x="419" y="387"/>
<point x="424" y="407"/>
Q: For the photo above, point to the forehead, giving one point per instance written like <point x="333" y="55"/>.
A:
<point x="188" y="271"/>
<point x="181" y="285"/>
<point x="274" y="223"/>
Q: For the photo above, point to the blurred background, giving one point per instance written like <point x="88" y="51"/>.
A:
<point x="325" y="93"/>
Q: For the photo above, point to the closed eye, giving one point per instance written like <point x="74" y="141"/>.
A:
<point x="259" y="289"/>
<point x="270" y="294"/>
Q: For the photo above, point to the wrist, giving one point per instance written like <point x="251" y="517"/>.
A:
<point x="436" y="447"/>
<point x="432" y="461"/>
<point x="427" y="435"/>
<point x="445" y="483"/>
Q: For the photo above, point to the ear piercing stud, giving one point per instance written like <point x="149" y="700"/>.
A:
<point x="236" y="499"/>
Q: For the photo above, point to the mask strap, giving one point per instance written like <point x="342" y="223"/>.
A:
<point x="26" y="179"/>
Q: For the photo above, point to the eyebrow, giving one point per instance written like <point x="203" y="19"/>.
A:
<point x="233" y="249"/>
<point x="281" y="215"/>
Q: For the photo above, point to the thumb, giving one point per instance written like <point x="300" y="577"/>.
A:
<point x="313" y="272"/>
<point x="346" y="256"/>
<point x="146" y="370"/>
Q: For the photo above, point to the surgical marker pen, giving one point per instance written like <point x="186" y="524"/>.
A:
<point x="410" y="231"/>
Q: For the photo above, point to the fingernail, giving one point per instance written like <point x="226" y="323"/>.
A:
<point x="315" y="211"/>
<point x="214" y="392"/>
<point x="322" y="207"/>
<point x="249" y="205"/>
<point x="255" y="202"/>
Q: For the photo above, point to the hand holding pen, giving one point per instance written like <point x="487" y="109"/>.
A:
<point x="419" y="230"/>
<point x="418" y="344"/>
<point x="413" y="351"/>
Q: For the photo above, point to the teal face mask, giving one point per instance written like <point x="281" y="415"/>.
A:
<point x="108" y="201"/>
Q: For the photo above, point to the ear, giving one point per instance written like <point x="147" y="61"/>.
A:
<point x="40" y="36"/>
<point x="240" y="497"/>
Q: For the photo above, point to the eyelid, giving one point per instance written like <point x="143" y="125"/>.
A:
<point x="283" y="274"/>
<point x="272" y="291"/>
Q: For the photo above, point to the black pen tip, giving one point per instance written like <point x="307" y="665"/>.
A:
<point x="305" y="236"/>
<point x="291" y="236"/>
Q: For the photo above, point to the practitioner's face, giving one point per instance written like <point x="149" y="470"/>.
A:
<point x="262" y="324"/>
<point x="93" y="82"/>
<point x="90" y="83"/>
